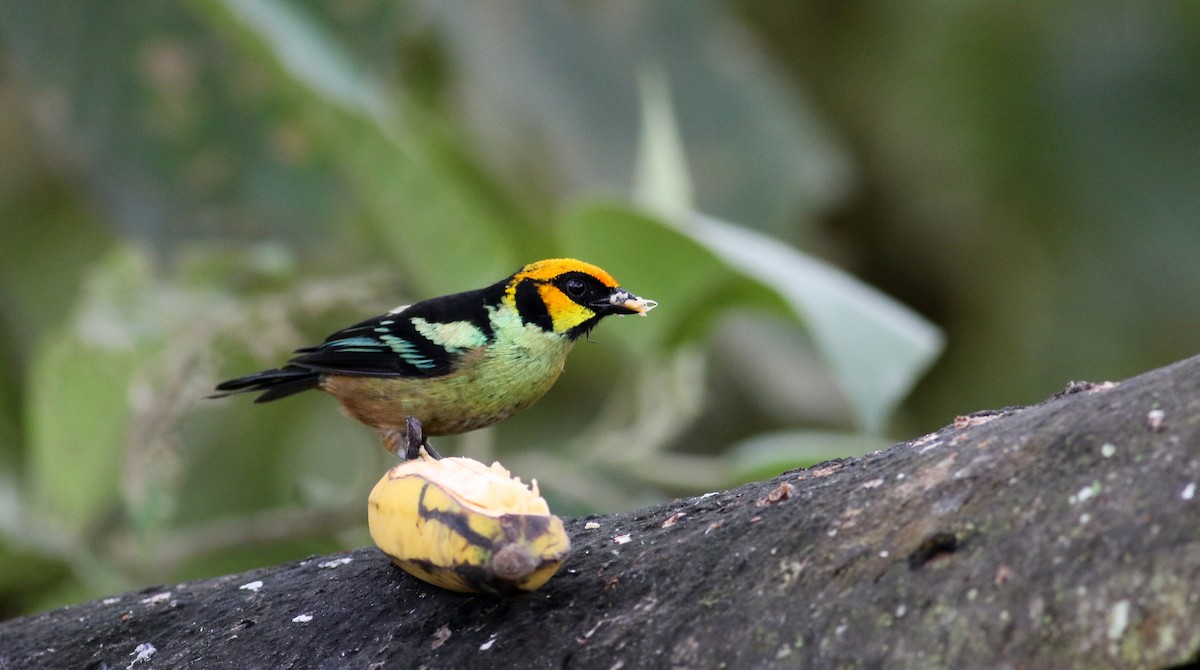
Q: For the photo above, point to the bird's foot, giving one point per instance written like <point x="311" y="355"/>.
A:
<point x="408" y="444"/>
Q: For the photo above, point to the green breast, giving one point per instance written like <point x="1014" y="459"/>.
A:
<point x="490" y="384"/>
<point x="516" y="370"/>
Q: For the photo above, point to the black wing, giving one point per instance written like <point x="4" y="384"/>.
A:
<point x="422" y="340"/>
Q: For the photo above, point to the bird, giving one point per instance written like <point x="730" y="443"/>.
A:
<point x="455" y="363"/>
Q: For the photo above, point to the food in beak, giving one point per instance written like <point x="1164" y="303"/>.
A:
<point x="633" y="303"/>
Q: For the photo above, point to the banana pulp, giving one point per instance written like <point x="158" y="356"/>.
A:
<point x="467" y="527"/>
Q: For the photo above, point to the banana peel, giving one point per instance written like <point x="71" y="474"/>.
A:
<point x="467" y="527"/>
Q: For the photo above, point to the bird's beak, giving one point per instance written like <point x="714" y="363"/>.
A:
<point x="621" y="301"/>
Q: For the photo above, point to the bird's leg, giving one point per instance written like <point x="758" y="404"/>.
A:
<point x="408" y="444"/>
<point x="414" y="439"/>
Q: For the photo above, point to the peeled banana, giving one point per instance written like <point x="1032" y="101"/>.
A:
<point x="467" y="527"/>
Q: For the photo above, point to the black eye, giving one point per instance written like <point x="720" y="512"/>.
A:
<point x="575" y="287"/>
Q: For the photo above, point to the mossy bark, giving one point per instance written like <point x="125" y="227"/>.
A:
<point x="1066" y="534"/>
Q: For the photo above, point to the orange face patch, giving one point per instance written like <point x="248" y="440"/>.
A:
<point x="553" y="267"/>
<point x="565" y="313"/>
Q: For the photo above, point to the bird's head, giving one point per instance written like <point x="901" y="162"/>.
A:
<point x="569" y="297"/>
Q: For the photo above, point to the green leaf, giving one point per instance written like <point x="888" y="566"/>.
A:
<point x="662" y="184"/>
<point x="80" y="390"/>
<point x="425" y="203"/>
<point x="690" y="283"/>
<point x="424" y="210"/>
<point x="876" y="347"/>
<point x="312" y="57"/>
<point x="77" y="414"/>
<point x="548" y="84"/>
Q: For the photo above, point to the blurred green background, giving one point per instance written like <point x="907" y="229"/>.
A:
<point x="190" y="190"/>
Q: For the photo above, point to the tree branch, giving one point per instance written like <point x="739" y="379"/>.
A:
<point x="1059" y="535"/>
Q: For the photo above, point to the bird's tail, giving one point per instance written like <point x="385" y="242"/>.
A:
<point x="274" y="384"/>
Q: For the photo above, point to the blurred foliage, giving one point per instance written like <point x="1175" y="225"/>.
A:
<point x="192" y="189"/>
